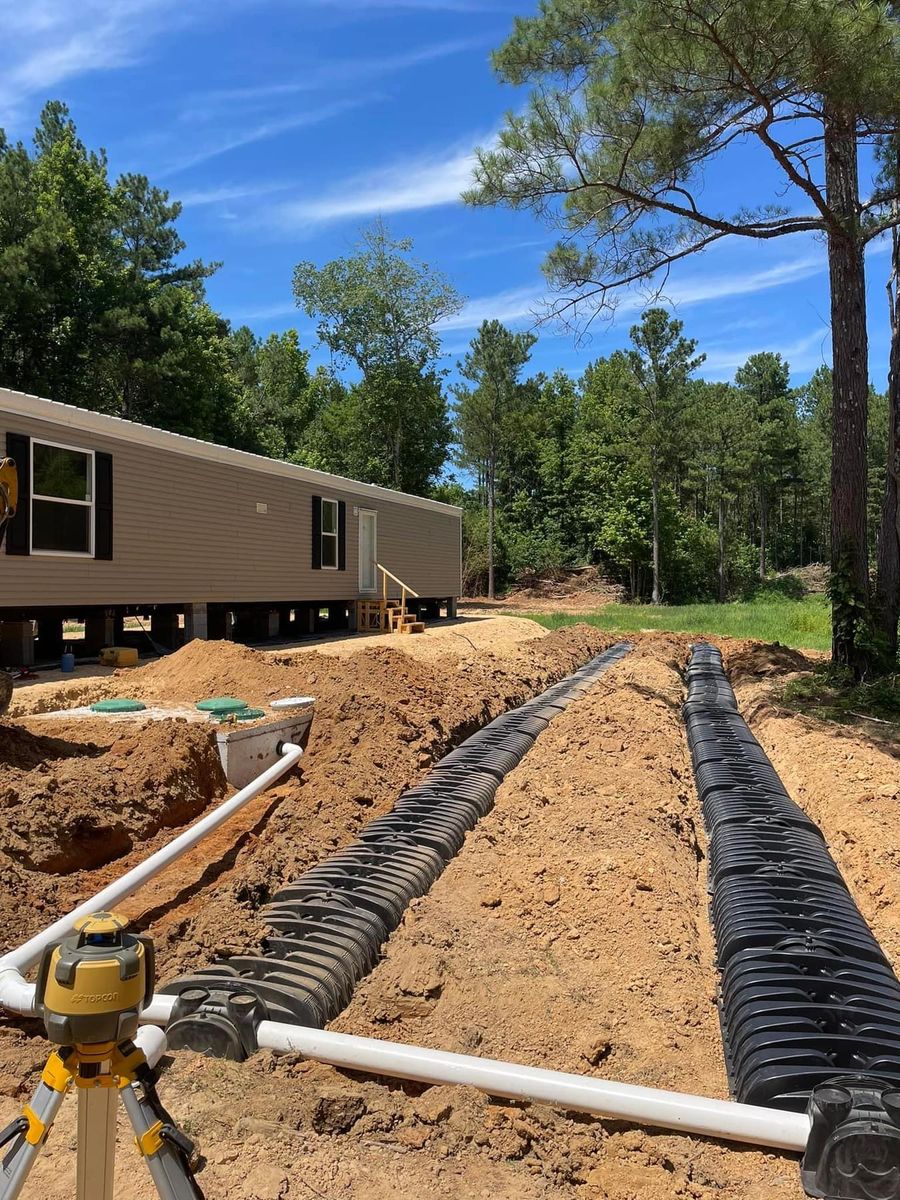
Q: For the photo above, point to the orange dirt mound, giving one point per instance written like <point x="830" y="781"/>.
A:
<point x="81" y="794"/>
<point x="95" y="805"/>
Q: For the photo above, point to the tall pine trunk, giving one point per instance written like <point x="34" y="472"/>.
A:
<point x="887" y="588"/>
<point x="721" y="548"/>
<point x="654" y="487"/>
<point x="490" y="529"/>
<point x="849" y="535"/>
<point x="763" y="530"/>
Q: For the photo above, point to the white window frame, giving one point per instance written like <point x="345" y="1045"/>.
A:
<point x="373" y="590"/>
<point x="90" y="504"/>
<point x="336" y="535"/>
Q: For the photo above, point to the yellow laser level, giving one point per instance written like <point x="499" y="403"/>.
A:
<point x="93" y="986"/>
<point x="91" y="989"/>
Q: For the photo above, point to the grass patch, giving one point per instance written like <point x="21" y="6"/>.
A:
<point x="831" y="694"/>
<point x="804" y="624"/>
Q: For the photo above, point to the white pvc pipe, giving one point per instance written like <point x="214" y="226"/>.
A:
<point x="17" y="994"/>
<point x="158" y="1011"/>
<point x="647" y="1106"/>
<point x="153" y="1043"/>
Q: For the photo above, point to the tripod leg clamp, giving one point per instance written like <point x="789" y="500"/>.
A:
<point x="151" y="1140"/>
<point x="37" y="1130"/>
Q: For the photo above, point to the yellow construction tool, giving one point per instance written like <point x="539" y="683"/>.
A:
<point x="9" y="493"/>
<point x="91" y="990"/>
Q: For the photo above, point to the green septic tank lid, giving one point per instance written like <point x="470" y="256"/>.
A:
<point x="249" y="714"/>
<point x="118" y="706"/>
<point x="222" y="706"/>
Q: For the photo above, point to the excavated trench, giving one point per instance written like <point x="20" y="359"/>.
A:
<point x="328" y="926"/>
<point x="807" y="994"/>
<point x="571" y="933"/>
<point x="83" y="801"/>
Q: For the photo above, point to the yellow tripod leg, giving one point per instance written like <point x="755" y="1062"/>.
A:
<point x="27" y="1135"/>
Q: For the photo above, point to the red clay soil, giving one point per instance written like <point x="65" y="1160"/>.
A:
<point x="570" y="932"/>
<point x="83" y="794"/>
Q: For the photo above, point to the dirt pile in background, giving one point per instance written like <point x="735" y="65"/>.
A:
<point x="848" y="783"/>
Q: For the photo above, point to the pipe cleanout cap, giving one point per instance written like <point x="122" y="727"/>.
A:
<point x="853" y="1151"/>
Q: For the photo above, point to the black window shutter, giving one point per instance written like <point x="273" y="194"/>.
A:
<point x="342" y="536"/>
<point x="18" y="531"/>
<point x="317" y="533"/>
<point x="103" y="506"/>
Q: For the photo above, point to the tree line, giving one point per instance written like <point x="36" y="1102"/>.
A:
<point x="631" y="101"/>
<point x="681" y="488"/>
<point x="678" y="484"/>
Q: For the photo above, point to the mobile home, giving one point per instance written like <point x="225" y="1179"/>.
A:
<point x="118" y="519"/>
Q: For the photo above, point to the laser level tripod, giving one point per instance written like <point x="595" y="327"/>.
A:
<point x="91" y="989"/>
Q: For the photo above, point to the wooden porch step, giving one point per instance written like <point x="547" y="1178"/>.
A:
<point x="390" y="616"/>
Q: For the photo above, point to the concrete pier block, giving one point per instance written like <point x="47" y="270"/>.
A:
<point x="103" y="629"/>
<point x="17" y="643"/>
<point x="196" y="623"/>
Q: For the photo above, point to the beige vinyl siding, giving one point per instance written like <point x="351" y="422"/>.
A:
<point x="187" y="530"/>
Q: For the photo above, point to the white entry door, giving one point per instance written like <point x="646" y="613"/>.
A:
<point x="368" y="550"/>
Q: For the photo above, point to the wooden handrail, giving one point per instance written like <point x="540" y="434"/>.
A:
<point x="388" y="575"/>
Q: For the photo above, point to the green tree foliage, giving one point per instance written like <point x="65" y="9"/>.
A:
<point x="631" y="100"/>
<point x="97" y="307"/>
<point x="277" y="403"/>
<point x="574" y="473"/>
<point x="391" y="428"/>
<point x="660" y="363"/>
<point x="765" y="381"/>
<point x="490" y="414"/>
<point x="723" y="433"/>
<point x="378" y="311"/>
<point x="378" y="307"/>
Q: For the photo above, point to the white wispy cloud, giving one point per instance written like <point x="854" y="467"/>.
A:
<point x="803" y="354"/>
<point x="226" y="141"/>
<point x="266" y="312"/>
<point x="737" y="282"/>
<point x="405" y="186"/>
<point x="530" y="304"/>
<point x="511" y="307"/>
<point x="47" y="42"/>
<point x="331" y="74"/>
<point x="495" y="248"/>
<point x="227" y="193"/>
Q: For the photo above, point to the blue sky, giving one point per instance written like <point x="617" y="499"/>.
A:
<point x="286" y="125"/>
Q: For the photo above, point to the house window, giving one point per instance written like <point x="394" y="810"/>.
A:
<point x="330" y="534"/>
<point x="62" y="499"/>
